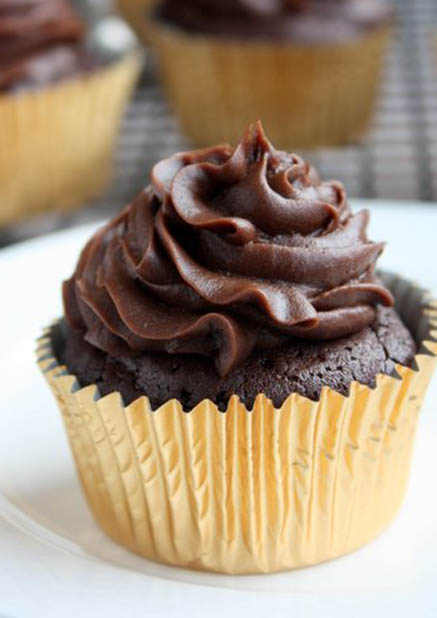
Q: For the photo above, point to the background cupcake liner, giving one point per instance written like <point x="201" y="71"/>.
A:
<point x="57" y="142"/>
<point x="250" y="491"/>
<point x="306" y="96"/>
<point x="136" y="14"/>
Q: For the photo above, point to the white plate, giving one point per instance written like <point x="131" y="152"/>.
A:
<point x="56" y="562"/>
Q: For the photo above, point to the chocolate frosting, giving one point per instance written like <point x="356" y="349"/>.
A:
<point x="40" y="42"/>
<point x="225" y="252"/>
<point x="303" y="21"/>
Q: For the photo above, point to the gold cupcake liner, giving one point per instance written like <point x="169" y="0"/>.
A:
<point x="306" y="96"/>
<point x="250" y="491"/>
<point x="136" y="14"/>
<point x="57" y="142"/>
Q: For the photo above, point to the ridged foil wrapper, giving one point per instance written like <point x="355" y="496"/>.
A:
<point x="250" y="491"/>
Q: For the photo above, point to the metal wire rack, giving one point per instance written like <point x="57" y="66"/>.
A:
<point x="396" y="160"/>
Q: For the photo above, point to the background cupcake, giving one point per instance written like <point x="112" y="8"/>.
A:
<point x="137" y="13"/>
<point x="240" y="281"/>
<point x="310" y="69"/>
<point x="60" y="107"/>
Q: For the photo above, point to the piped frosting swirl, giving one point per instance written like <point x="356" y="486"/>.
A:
<point x="224" y="252"/>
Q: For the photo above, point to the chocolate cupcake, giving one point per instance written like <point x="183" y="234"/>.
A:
<point x="60" y="106"/>
<point x="237" y="297"/>
<point x="310" y="68"/>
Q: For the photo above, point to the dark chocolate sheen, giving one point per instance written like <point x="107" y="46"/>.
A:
<point x="40" y="43"/>
<point x="300" y="21"/>
<point x="225" y="252"/>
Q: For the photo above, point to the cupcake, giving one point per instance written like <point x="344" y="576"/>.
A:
<point x="309" y="68"/>
<point x="60" y="107"/>
<point x="136" y="13"/>
<point x="239" y="390"/>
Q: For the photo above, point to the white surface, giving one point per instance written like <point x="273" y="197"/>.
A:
<point x="56" y="562"/>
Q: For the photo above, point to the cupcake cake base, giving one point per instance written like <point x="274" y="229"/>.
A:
<point x="250" y="491"/>
<point x="299" y="367"/>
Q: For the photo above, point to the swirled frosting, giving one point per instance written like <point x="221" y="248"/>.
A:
<point x="303" y="21"/>
<point x="224" y="252"/>
<point x="40" y="42"/>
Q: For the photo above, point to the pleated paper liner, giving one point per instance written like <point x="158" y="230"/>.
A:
<point x="250" y="491"/>
<point x="136" y="13"/>
<point x="57" y="142"/>
<point x="306" y="96"/>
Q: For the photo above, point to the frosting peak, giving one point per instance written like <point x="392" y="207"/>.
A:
<point x="226" y="251"/>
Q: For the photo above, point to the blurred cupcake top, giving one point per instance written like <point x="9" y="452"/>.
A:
<point x="41" y="42"/>
<point x="302" y="21"/>
<point x="224" y="252"/>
